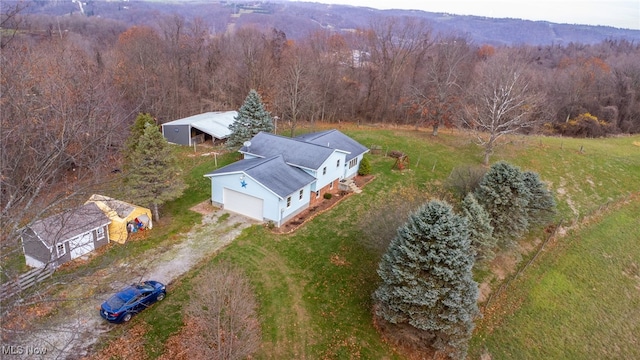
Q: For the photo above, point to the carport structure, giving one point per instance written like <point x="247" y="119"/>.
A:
<point x="199" y="128"/>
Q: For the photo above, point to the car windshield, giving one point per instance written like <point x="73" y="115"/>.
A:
<point x="144" y="287"/>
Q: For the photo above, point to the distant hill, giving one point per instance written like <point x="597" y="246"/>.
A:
<point x="298" y="19"/>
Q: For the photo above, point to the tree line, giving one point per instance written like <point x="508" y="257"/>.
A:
<point x="72" y="86"/>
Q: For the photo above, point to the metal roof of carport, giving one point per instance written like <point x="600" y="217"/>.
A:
<point x="215" y="123"/>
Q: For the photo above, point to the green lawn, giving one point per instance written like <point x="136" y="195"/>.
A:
<point x="314" y="286"/>
<point x="580" y="300"/>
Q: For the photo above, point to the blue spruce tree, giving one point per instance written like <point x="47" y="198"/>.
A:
<point x="480" y="230"/>
<point x="505" y="196"/>
<point x="541" y="207"/>
<point x="252" y="118"/>
<point x="427" y="291"/>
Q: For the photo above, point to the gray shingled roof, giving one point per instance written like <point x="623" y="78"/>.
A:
<point x="271" y="172"/>
<point x="295" y="152"/>
<point x="70" y="224"/>
<point x="336" y="140"/>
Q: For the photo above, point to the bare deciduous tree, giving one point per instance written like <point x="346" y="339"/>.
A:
<point x="390" y="50"/>
<point x="442" y="80"/>
<point x="57" y="126"/>
<point x="59" y="133"/>
<point x="224" y="309"/>
<point x="140" y="72"/>
<point x="10" y="21"/>
<point x="330" y="63"/>
<point x="294" y="90"/>
<point x="502" y="101"/>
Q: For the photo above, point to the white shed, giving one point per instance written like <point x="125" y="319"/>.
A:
<point x="212" y="126"/>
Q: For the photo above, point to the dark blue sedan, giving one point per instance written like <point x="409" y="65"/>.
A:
<point x="131" y="300"/>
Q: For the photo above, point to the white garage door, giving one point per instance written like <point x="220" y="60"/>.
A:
<point x="81" y="245"/>
<point x="247" y="205"/>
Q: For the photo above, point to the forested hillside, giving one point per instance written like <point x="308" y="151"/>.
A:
<point x="73" y="84"/>
<point x="298" y="19"/>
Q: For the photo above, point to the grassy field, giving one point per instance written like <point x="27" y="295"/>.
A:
<point x="314" y="286"/>
<point x="581" y="300"/>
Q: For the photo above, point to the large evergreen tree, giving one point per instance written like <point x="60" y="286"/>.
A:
<point x="427" y="284"/>
<point x="504" y="194"/>
<point x="541" y="207"/>
<point x="252" y="118"/>
<point x="153" y="171"/>
<point x="480" y="230"/>
<point x="135" y="133"/>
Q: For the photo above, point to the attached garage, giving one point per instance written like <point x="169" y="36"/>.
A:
<point x="261" y="189"/>
<point x="247" y="205"/>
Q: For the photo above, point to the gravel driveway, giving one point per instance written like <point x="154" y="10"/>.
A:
<point x="69" y="333"/>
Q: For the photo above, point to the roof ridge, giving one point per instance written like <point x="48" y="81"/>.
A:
<point x="294" y="139"/>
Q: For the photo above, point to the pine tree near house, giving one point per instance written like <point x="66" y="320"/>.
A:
<point x="135" y="133"/>
<point x="428" y="293"/>
<point x="153" y="171"/>
<point x="252" y="118"/>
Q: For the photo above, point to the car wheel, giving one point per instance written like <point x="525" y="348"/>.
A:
<point x="161" y="296"/>
<point x="126" y="317"/>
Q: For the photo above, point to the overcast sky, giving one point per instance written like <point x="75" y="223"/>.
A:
<point x="617" y="13"/>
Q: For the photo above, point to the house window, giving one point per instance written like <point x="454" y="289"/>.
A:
<point x="324" y="170"/>
<point x="301" y="194"/>
<point x="100" y="233"/>
<point x="331" y="186"/>
<point x="353" y="162"/>
<point x="338" y="163"/>
<point x="317" y="194"/>
<point x="289" y="201"/>
<point x="61" y="249"/>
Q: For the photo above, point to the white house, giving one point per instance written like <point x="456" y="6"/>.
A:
<point x="280" y="177"/>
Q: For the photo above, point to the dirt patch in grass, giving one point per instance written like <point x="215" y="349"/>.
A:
<point x="339" y="260"/>
<point x="204" y="208"/>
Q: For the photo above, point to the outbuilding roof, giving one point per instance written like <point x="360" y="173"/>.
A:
<point x="121" y="208"/>
<point x="215" y="123"/>
<point x="271" y="172"/>
<point x="69" y="224"/>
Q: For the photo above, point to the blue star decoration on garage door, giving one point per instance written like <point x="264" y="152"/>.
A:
<point x="243" y="183"/>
